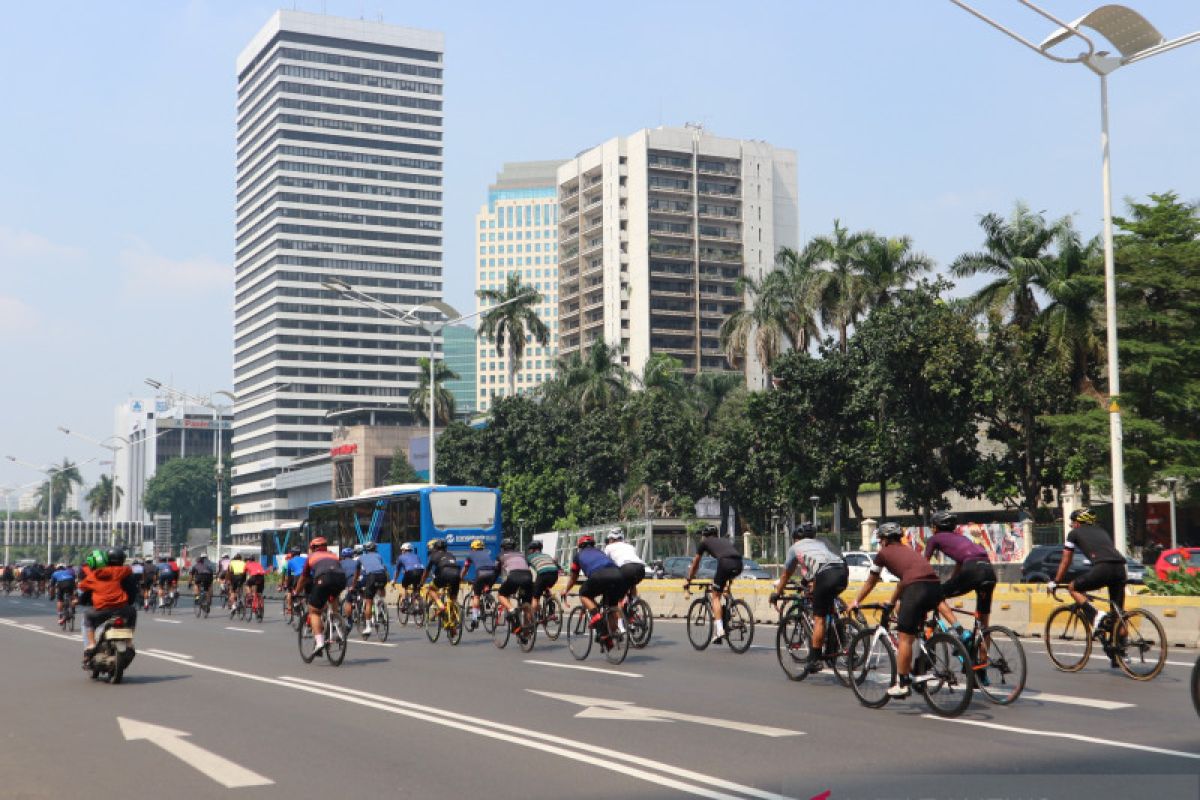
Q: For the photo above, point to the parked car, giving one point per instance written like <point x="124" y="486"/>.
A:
<point x="1041" y="565"/>
<point x="677" y="567"/>
<point x="1184" y="558"/>
<point x="860" y="565"/>
<point x="1135" y="571"/>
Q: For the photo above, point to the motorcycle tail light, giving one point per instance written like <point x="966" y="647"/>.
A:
<point x="118" y="622"/>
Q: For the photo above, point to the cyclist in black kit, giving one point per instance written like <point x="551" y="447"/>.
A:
<point x="729" y="566"/>
<point x="1108" y="565"/>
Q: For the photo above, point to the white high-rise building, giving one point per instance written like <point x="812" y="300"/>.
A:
<point x="655" y="229"/>
<point x="517" y="232"/>
<point x="339" y="176"/>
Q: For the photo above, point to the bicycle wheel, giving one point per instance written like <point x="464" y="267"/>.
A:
<point x="739" y="626"/>
<point x="382" y="622"/>
<point x="71" y="621"/>
<point x="308" y="643"/>
<point x="949" y="692"/>
<point x="579" y="635"/>
<point x="843" y="632"/>
<point x="454" y="626"/>
<point x="335" y="639"/>
<point x="1142" y="651"/>
<point x="287" y="611"/>
<point x="616" y="646"/>
<point x="551" y="617"/>
<point x="872" y="667"/>
<point x="793" y="643"/>
<point x="487" y="611"/>
<point x="640" y="620"/>
<point x="433" y="622"/>
<point x="299" y="613"/>
<point x="196" y="606"/>
<point x="401" y="611"/>
<point x="699" y="623"/>
<point x="260" y="608"/>
<point x="1066" y="630"/>
<point x="500" y="631"/>
<point x="1196" y="686"/>
<point x="999" y="665"/>
<point x="527" y="636"/>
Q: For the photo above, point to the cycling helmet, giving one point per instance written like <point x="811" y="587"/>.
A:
<point x="944" y="521"/>
<point x="238" y="557"/>
<point x="406" y="547"/>
<point x="1084" y="516"/>
<point x="710" y="530"/>
<point x="60" y="566"/>
<point x="535" y="546"/>
<point x="358" y="549"/>
<point x="586" y="540"/>
<point x="318" y="543"/>
<point x="116" y="558"/>
<point x="890" y="530"/>
<point x="202" y="557"/>
<point x="614" y="535"/>
<point x="369" y="547"/>
<point x="96" y="559"/>
<point x="437" y="544"/>
<point x="508" y="544"/>
<point x="805" y="530"/>
<point x="477" y="544"/>
<point x="294" y="550"/>
<point x="347" y="552"/>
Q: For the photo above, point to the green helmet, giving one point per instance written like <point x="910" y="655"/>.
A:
<point x="96" y="559"/>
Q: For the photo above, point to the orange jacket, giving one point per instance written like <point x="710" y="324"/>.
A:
<point x="105" y="586"/>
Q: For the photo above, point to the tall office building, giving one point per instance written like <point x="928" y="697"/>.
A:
<point x="656" y="228"/>
<point x="518" y="233"/>
<point x="339" y="177"/>
<point x="459" y="348"/>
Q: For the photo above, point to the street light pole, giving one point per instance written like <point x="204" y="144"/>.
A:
<point x="112" y="475"/>
<point x="814" y="500"/>
<point x="1135" y="39"/>
<point x="1171" y="482"/>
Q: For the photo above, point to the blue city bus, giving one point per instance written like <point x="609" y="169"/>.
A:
<point x="410" y="512"/>
<point x="275" y="543"/>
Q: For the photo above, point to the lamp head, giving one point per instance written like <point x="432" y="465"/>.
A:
<point x="153" y="384"/>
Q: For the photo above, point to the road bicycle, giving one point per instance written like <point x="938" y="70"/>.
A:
<point x="410" y="609"/>
<point x="333" y="626"/>
<point x="237" y="609"/>
<point x="1136" y="643"/>
<point x="1196" y="686"/>
<point x="256" y="606"/>
<point x="550" y="615"/>
<point x="379" y="617"/>
<point x="202" y="601"/>
<point x="522" y="624"/>
<point x="793" y="637"/>
<point x="168" y="600"/>
<point x="294" y="610"/>
<point x="448" y="617"/>
<point x="487" y="609"/>
<point x="613" y="642"/>
<point x="67" y="619"/>
<point x="639" y="620"/>
<point x="939" y="658"/>
<point x="735" y="615"/>
<point x="997" y="659"/>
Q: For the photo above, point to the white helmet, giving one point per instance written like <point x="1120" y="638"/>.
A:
<point x="406" y="547"/>
<point x="614" y="535"/>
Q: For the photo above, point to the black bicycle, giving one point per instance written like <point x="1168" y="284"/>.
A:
<point x="1136" y="643"/>
<point x="202" y="601"/>
<point x="793" y="637"/>
<point x="522" y="624"/>
<point x="549" y="615"/>
<point x="612" y="641"/>
<point x="639" y="619"/>
<point x="735" y="615"/>
<point x="67" y="623"/>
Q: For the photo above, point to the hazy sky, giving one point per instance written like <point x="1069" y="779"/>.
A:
<point x="117" y="134"/>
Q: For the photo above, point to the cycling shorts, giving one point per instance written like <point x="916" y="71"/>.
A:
<point x="728" y="568"/>
<point x="411" y="579"/>
<point x="916" y="601"/>
<point x="606" y="583"/>
<point x="325" y="588"/>
<point x="237" y="581"/>
<point x="167" y="579"/>
<point x="977" y="576"/>
<point x="257" y="581"/>
<point x="827" y="584"/>
<point x="520" y="583"/>
<point x="203" y="580"/>
<point x="483" y="582"/>
<point x="544" y="582"/>
<point x="374" y="583"/>
<point x="148" y="579"/>
<point x="448" y="579"/>
<point x="63" y="590"/>
<point x="633" y="573"/>
<point x="1106" y="574"/>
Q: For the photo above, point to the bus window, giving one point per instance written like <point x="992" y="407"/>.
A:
<point x="453" y="509"/>
<point x="324" y="522"/>
<point x="402" y="522"/>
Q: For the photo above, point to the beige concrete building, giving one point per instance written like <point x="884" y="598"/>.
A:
<point x="362" y="455"/>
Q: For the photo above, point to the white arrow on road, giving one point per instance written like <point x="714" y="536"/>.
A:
<point x="602" y="708"/>
<point x="221" y="770"/>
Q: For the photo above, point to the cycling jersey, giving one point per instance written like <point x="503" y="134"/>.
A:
<point x="406" y="563"/>
<point x="811" y="556"/>
<point x="623" y="553"/>
<point x="163" y="569"/>
<point x="906" y="564"/>
<point x="372" y="563"/>
<point x="1095" y="543"/>
<point x="295" y="565"/>
<point x="321" y="562"/>
<point x="62" y="576"/>
<point x="350" y="568"/>
<point x="237" y="567"/>
<point x="957" y="547"/>
<point x="481" y="561"/>
<point x="543" y="563"/>
<point x="255" y="569"/>
<point x="440" y="562"/>
<point x="589" y="560"/>
<point x="717" y="547"/>
<point x="204" y="567"/>
<point x="512" y="561"/>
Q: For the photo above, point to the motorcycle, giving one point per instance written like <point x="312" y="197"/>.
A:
<point x="114" y="650"/>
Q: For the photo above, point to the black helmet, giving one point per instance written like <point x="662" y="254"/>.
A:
<point x="294" y="550"/>
<point x="508" y="544"/>
<point x="944" y="521"/>
<point x="890" y="530"/>
<point x="116" y="557"/>
<point x="805" y="530"/>
<point x="535" y="546"/>
<point x="437" y="544"/>
<point x="710" y="530"/>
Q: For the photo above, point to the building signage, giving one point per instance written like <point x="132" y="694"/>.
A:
<point x="195" y="424"/>
<point x="343" y="450"/>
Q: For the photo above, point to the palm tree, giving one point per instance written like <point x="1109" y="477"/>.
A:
<point x="888" y="264"/>
<point x="839" y="289"/>
<point x="709" y="391"/>
<point x="100" y="497"/>
<point x="795" y="286"/>
<point x="1074" y="285"/>
<point x="663" y="373"/>
<point x="443" y="399"/>
<point x="513" y="323"/>
<point x="1016" y="252"/>
<point x="596" y="379"/>
<point x="759" y="324"/>
<point x="62" y="479"/>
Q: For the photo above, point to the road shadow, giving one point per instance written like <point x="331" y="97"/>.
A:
<point x="153" y="678"/>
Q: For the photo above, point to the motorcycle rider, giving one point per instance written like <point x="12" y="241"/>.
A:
<point x="111" y="584"/>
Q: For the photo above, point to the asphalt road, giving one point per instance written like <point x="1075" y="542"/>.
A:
<point x="414" y="719"/>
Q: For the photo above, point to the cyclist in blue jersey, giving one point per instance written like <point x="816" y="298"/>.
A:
<point x="166" y="578"/>
<point x="292" y="570"/>
<point x="62" y="588"/>
<point x="409" y="570"/>
<point x="374" y="579"/>
<point x="604" y="580"/>
<point x="484" y="565"/>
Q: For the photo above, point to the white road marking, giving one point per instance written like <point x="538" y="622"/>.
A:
<point x="1098" y="652"/>
<point x="221" y="770"/>
<point x="156" y="651"/>
<point x="1047" y="697"/>
<point x="243" y="630"/>
<point x="168" y="621"/>
<point x="357" y="642"/>
<point x="1065" y="735"/>
<point x="600" y="708"/>
<point x="586" y="669"/>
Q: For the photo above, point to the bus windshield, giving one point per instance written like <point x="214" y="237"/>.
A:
<point x="453" y="509"/>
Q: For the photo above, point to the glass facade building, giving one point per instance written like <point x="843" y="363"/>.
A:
<point x="459" y="348"/>
<point x="339" y="176"/>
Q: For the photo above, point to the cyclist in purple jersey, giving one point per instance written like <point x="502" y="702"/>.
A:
<point x="973" y="570"/>
<point x="515" y="578"/>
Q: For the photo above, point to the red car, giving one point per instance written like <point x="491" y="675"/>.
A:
<point x="1186" y="558"/>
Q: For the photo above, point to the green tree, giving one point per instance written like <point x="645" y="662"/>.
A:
<point x="663" y="373"/>
<point x="443" y="399"/>
<point x="185" y="488"/>
<point x="596" y="378"/>
<point x="510" y="326"/>
<point x="402" y="471"/>
<point x="100" y="497"/>
<point x="760" y="324"/>
<point x="63" y="479"/>
<point x="838" y="288"/>
<point x="888" y="265"/>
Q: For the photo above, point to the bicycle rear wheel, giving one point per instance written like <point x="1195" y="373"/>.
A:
<point x="949" y="691"/>
<point x="433" y="622"/>
<point x="453" y="624"/>
<point x="500" y="631"/>
<point x="641" y="623"/>
<point x="999" y="665"/>
<point x="335" y="639"/>
<point x="197" y="606"/>
<point x="699" y="623"/>
<point x="1142" y="650"/>
<point x="308" y="643"/>
<point x="1066" y="630"/>
<point x="551" y="617"/>
<point x="843" y="631"/>
<point x="382" y="621"/>
<point x="527" y="636"/>
<point x="739" y="626"/>
<point x="617" y="645"/>
<point x="579" y="635"/>
<point x="487" y="611"/>
<point x="872" y="667"/>
<point x="793" y="643"/>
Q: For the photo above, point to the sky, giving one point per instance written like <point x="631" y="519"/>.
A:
<point x="914" y="118"/>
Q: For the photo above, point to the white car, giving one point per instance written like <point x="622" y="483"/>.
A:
<point x="860" y="565"/>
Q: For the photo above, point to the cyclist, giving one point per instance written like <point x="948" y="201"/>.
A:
<point x="408" y="571"/>
<point x="374" y="579"/>
<point x="480" y="560"/>
<point x="324" y="572"/>
<point x="111" y="585"/>
<point x="442" y="571"/>
<point x="166" y="578"/>
<point x="295" y="565"/>
<point x="202" y="577"/>
<point x="516" y="578"/>
<point x="237" y="578"/>
<point x="824" y="569"/>
<point x="62" y="587"/>
<point x="223" y="577"/>
<point x="546" y="571"/>
<point x="1108" y="565"/>
<point x="256" y="580"/>
<point x="918" y="592"/>
<point x="729" y="566"/>
<point x="149" y="579"/>
<point x="972" y="569"/>
<point x="626" y="557"/>
<point x="351" y="570"/>
<point x="9" y="577"/>
<point x="603" y="579"/>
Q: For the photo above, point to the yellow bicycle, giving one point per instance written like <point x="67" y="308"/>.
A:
<point x="448" y="618"/>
